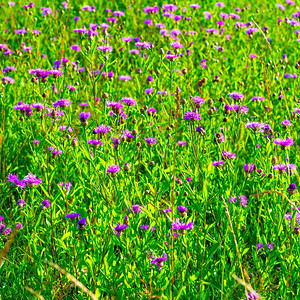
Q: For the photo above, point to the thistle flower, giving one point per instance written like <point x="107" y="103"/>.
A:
<point x="254" y="125"/>
<point x="81" y="223"/>
<point x="182" y="227"/>
<point x="136" y="209"/>
<point x="228" y="155"/>
<point x="65" y="185"/>
<point x="120" y="228"/>
<point x="46" y="203"/>
<point x="63" y="103"/>
<point x="258" y="98"/>
<point x="284" y="143"/>
<point x="249" y="168"/>
<point x="55" y="151"/>
<point x="129" y="101"/>
<point x="102" y="129"/>
<point x="281" y="168"/>
<point x="192" y="115"/>
<point x="83" y="116"/>
<point x="236" y="96"/>
<point x="252" y="295"/>
<point x="158" y="261"/>
<point x="72" y="216"/>
<point x="292" y="189"/>
<point x="7" y="79"/>
<point x="219" y="163"/>
<point x="243" y="200"/>
<point x="32" y="180"/>
<point x="150" y="141"/>
<point x="21" y="203"/>
<point x="113" y="170"/>
<point x="182" y="210"/>
<point x="75" y="47"/>
<point x="124" y="78"/>
<point x="95" y="143"/>
<point x="15" y="181"/>
<point x="286" y="123"/>
<point x="181" y="143"/>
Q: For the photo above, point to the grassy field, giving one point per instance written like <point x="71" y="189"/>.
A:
<point x="149" y="150"/>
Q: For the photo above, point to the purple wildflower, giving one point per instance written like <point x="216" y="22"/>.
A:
<point x="158" y="261"/>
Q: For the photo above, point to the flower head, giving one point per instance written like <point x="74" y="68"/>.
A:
<point x="120" y="228"/>
<point x="72" y="216"/>
<point x="182" y="227"/>
<point x="81" y="223"/>
<point x="158" y="261"/>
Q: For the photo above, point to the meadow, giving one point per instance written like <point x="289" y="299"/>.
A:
<point x="149" y="150"/>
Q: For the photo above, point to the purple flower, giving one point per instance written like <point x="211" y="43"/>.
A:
<point x="228" y="155"/>
<point x="219" y="163"/>
<point x="182" y="209"/>
<point x="102" y="129"/>
<point x="83" y="116"/>
<point x="195" y="6"/>
<point x="15" y="181"/>
<point x="182" y="227"/>
<point x="55" y="151"/>
<point x="18" y="226"/>
<point x="286" y="123"/>
<point x="249" y="168"/>
<point x="113" y="169"/>
<point x="207" y="15"/>
<point x="46" y="203"/>
<point x="7" y="231"/>
<point x="243" y="200"/>
<point x="284" y="143"/>
<point x="200" y="130"/>
<point x="146" y="226"/>
<point x="89" y="8"/>
<point x="120" y="228"/>
<point x="257" y="98"/>
<point x="292" y="189"/>
<point x="252" y="56"/>
<point x="75" y="47"/>
<point x="66" y="185"/>
<point x="251" y="31"/>
<point x="46" y="11"/>
<point x="280" y="6"/>
<point x="105" y="48"/>
<point x="118" y="13"/>
<point x="81" y="223"/>
<point x="95" y="143"/>
<point x="63" y="103"/>
<point x="220" y="4"/>
<point x="21" y="203"/>
<point x="181" y="143"/>
<point x="149" y="9"/>
<point x="150" y="140"/>
<point x="129" y="101"/>
<point x="7" y="79"/>
<point x="236" y="95"/>
<point x="32" y="180"/>
<point x="281" y="168"/>
<point x="72" y="216"/>
<point x="254" y="125"/>
<point x="158" y="261"/>
<point x="8" y="69"/>
<point x="171" y="57"/>
<point x="192" y="115"/>
<point x="252" y="295"/>
<point x="286" y="75"/>
<point x="124" y="78"/>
